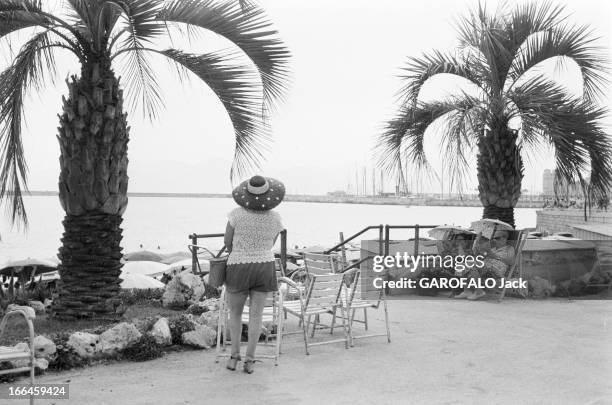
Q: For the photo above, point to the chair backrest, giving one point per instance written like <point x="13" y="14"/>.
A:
<point x="324" y="290"/>
<point x="317" y="263"/>
<point x="516" y="239"/>
<point x="357" y="291"/>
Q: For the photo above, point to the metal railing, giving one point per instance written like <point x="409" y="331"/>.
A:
<point x="384" y="232"/>
<point x="367" y="228"/>
<point x="194" y="249"/>
<point x="416" y="228"/>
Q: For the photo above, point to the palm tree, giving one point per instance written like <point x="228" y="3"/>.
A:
<point x="507" y="106"/>
<point x="93" y="130"/>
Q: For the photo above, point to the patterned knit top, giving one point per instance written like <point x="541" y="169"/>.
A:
<point x="254" y="233"/>
<point x="496" y="264"/>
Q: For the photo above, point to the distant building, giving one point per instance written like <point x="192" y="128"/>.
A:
<point x="337" y="193"/>
<point x="548" y="183"/>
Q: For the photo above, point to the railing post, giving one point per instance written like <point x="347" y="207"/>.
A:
<point x="416" y="240"/>
<point x="380" y="240"/>
<point x="283" y="251"/>
<point x="194" y="253"/>
<point x="386" y="240"/>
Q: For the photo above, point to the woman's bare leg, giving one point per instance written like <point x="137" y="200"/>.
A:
<point x="257" y="300"/>
<point x="236" y="306"/>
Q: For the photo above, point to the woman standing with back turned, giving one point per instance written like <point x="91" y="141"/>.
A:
<point x="250" y="234"/>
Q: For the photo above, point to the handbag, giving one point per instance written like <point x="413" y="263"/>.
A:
<point x="216" y="276"/>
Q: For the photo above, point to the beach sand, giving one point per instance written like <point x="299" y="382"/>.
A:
<point x="552" y="351"/>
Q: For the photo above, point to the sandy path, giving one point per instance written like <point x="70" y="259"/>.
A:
<point x="442" y="352"/>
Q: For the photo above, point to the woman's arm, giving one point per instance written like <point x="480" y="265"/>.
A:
<point x="229" y="237"/>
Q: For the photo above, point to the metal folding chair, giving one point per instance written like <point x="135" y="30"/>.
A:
<point x="322" y="296"/>
<point x="10" y="354"/>
<point x="271" y="316"/>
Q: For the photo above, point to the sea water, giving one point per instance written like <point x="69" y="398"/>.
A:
<point x="164" y="223"/>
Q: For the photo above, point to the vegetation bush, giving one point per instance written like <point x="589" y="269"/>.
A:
<point x="21" y="296"/>
<point x="150" y="296"/>
<point x="146" y="348"/>
<point x="196" y="309"/>
<point x="178" y="326"/>
<point x="65" y="357"/>
<point x="7" y="378"/>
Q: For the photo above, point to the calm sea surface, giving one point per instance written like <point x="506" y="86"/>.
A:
<point x="166" y="222"/>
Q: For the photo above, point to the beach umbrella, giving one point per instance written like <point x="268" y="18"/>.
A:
<point x="488" y="226"/>
<point x="145" y="268"/>
<point x="186" y="264"/>
<point x="173" y="257"/>
<point x="139" y="281"/>
<point x="38" y="265"/>
<point x="143" y="255"/>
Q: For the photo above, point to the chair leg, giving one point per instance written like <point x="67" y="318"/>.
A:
<point x="331" y="331"/>
<point x="221" y="327"/>
<point x="279" y="338"/>
<point x="305" y="330"/>
<point x="387" y="321"/>
<point x="365" y="317"/>
<point x="352" y="316"/>
<point x="347" y="336"/>
<point x="314" y="325"/>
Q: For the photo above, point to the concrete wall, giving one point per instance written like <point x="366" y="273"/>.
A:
<point x="550" y="259"/>
<point x="560" y="220"/>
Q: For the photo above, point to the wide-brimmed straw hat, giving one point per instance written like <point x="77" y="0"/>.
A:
<point x="259" y="193"/>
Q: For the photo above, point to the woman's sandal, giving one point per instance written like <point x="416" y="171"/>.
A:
<point x="249" y="366"/>
<point x="231" y="363"/>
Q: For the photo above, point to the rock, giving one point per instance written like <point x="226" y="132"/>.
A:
<point x="210" y="319"/>
<point x="48" y="303"/>
<point x="119" y="337"/>
<point x="44" y="347"/>
<point x="144" y="324"/>
<point x="38" y="306"/>
<point x="203" y="337"/>
<point x="86" y="345"/>
<point x="161" y="332"/>
<point x="28" y="310"/>
<point x="212" y="304"/>
<point x="41" y="364"/>
<point x="184" y="289"/>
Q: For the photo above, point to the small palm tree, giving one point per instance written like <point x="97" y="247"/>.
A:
<point x="93" y="130"/>
<point x="511" y="108"/>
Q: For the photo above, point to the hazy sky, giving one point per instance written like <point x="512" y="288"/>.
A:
<point x="347" y="58"/>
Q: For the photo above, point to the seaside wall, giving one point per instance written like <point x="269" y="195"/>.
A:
<point x="561" y="220"/>
<point x="553" y="260"/>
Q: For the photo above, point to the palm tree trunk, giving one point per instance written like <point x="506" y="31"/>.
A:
<point x="500" y="173"/>
<point x="93" y="137"/>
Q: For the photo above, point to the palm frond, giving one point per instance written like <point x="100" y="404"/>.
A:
<point x="406" y="131"/>
<point x="419" y="70"/>
<point x="572" y="126"/>
<point x="142" y="27"/>
<point x="460" y="131"/>
<point x="239" y="90"/>
<point x="576" y="43"/>
<point x="249" y="29"/>
<point x="19" y="14"/>
<point x="82" y="15"/>
<point x="28" y="69"/>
